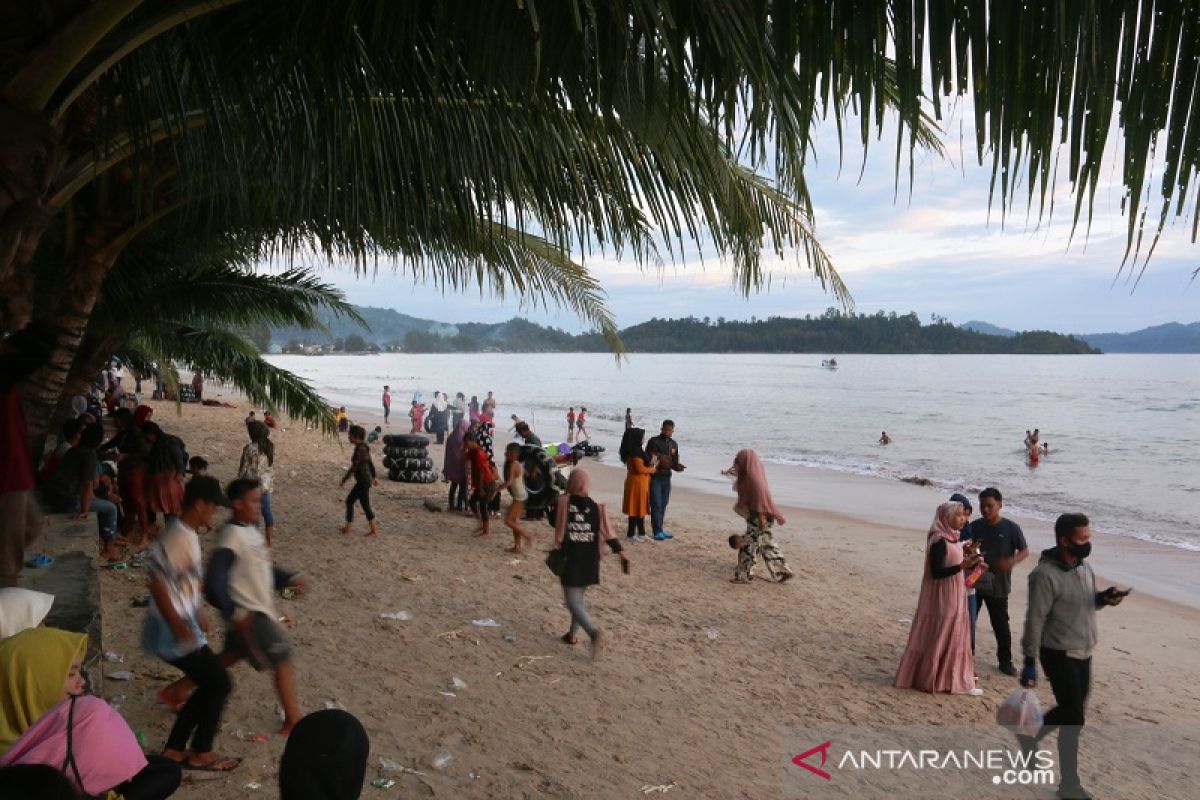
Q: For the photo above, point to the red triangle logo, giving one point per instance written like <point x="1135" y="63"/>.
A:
<point x="801" y="760"/>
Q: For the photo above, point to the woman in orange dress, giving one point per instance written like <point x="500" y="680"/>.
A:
<point x="636" y="503"/>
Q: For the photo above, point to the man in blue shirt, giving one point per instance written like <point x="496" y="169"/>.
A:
<point x="1002" y="543"/>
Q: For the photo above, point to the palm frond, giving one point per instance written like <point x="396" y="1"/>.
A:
<point x="227" y="357"/>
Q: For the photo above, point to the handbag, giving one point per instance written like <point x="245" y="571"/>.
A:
<point x="556" y="560"/>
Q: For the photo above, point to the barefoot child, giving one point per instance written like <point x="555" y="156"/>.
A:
<point x="241" y="583"/>
<point x="362" y="469"/>
<point x="514" y="481"/>
<point x="758" y="508"/>
<point x="175" y="631"/>
<point x="484" y="485"/>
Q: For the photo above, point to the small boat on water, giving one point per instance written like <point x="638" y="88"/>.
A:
<point x="830" y="363"/>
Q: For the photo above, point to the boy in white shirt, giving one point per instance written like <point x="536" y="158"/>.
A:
<point x="241" y="583"/>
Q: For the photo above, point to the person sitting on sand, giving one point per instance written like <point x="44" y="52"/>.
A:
<point x="757" y="507"/>
<point x="48" y="720"/>
<point x="938" y="655"/>
<point x="241" y="583"/>
<point x="176" y="631"/>
<point x="72" y="488"/>
<point x="362" y="469"/>
<point x="514" y="482"/>
<point x="580" y="529"/>
<point x="325" y="758"/>
<point x="884" y="438"/>
<point x="342" y="419"/>
<point x="635" y="501"/>
<point x="375" y="435"/>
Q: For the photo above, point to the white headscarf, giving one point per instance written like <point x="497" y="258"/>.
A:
<point x="21" y="609"/>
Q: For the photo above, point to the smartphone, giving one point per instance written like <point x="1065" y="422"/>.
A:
<point x="1121" y="592"/>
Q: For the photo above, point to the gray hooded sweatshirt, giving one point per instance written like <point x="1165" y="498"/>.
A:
<point x="1062" y="608"/>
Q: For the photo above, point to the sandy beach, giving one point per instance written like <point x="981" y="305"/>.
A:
<point x="698" y="679"/>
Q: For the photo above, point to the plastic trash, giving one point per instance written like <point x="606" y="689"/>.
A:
<point x="253" y="785"/>
<point x="109" y="655"/>
<point x="713" y="634"/>
<point x="383" y="783"/>
<point x="486" y="622"/>
<point x="447" y="694"/>
<point x="334" y="705"/>
<point x="440" y="759"/>
<point x="288" y="593"/>
<point x="1021" y="712"/>
<point x="458" y="683"/>
<point x="399" y="615"/>
<point x="509" y="637"/>
<point x="388" y="765"/>
<point x="116" y="700"/>
<point x="121" y="675"/>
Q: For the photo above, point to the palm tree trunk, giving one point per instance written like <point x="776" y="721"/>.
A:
<point x="78" y="291"/>
<point x="30" y="157"/>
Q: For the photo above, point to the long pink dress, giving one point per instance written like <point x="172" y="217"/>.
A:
<point x="938" y="656"/>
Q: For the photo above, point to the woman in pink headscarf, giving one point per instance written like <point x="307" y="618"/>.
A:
<point x="938" y="656"/>
<point x="757" y="507"/>
<point x="580" y="527"/>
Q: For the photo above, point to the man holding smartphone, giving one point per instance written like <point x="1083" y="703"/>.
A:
<point x="1060" y="630"/>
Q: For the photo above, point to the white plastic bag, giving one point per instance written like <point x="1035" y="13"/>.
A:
<point x="1021" y="712"/>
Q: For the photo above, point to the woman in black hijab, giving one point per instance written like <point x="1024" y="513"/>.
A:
<point x="325" y="758"/>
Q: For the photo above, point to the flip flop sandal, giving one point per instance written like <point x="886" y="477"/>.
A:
<point x="40" y="560"/>
<point x="222" y="765"/>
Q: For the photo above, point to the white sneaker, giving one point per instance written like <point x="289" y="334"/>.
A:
<point x="641" y="537"/>
<point x="976" y="692"/>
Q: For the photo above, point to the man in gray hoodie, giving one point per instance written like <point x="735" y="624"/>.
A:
<point x="1060" y="630"/>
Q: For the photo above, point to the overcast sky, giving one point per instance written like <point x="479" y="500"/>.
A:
<point x="936" y="253"/>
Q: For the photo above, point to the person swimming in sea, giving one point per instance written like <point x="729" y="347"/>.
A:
<point x="884" y="438"/>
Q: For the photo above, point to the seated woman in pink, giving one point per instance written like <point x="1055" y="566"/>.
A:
<point x="938" y="656"/>
<point x="46" y="719"/>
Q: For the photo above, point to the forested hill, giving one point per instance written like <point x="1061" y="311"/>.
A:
<point x="834" y="333"/>
<point x="831" y="333"/>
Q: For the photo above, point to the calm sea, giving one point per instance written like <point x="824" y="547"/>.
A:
<point x="1124" y="430"/>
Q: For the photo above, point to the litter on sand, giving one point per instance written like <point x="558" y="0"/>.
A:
<point x="334" y="705"/>
<point x="454" y="635"/>
<point x="383" y="783"/>
<point x="253" y="785"/>
<point x="388" y="765"/>
<point x="440" y="760"/>
<point x="486" y="622"/>
<point x="121" y="675"/>
<point x="509" y="637"/>
<point x="288" y="593"/>
<point x="904" y="621"/>
<point x="661" y="788"/>
<point x="512" y="562"/>
<point x="525" y="661"/>
<point x="447" y="694"/>
<point x="109" y="655"/>
<point x="400" y="615"/>
<point x="458" y="683"/>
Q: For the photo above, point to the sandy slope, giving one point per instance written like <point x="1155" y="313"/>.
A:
<point x="696" y="683"/>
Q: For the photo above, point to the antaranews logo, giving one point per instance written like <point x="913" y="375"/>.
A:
<point x="911" y="765"/>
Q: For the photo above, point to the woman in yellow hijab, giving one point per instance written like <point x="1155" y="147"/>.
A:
<point x="42" y="701"/>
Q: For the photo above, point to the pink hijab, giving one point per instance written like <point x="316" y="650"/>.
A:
<point x="940" y="528"/>
<point x="750" y="483"/>
<point x="579" y="483"/>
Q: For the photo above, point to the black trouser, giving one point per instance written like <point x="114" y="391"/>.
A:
<point x="997" y="608"/>
<point x="201" y="713"/>
<point x="637" y="525"/>
<point x="158" y="780"/>
<point x="1070" y="679"/>
<point x="361" y="494"/>
<point x="441" y="435"/>
<point x="458" y="495"/>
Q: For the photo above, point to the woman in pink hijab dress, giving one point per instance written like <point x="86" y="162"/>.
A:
<point x="938" y="656"/>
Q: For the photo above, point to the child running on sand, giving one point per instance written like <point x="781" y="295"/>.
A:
<point x="241" y="583"/>
<point x="362" y="469"/>
<point x="514" y="481"/>
<point x="484" y="485"/>
<point x="757" y="507"/>
<point x="175" y="630"/>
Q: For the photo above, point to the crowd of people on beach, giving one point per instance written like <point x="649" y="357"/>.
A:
<point x="141" y="472"/>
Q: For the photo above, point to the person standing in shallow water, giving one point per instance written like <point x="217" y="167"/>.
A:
<point x="387" y="404"/>
<point x="757" y="507"/>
